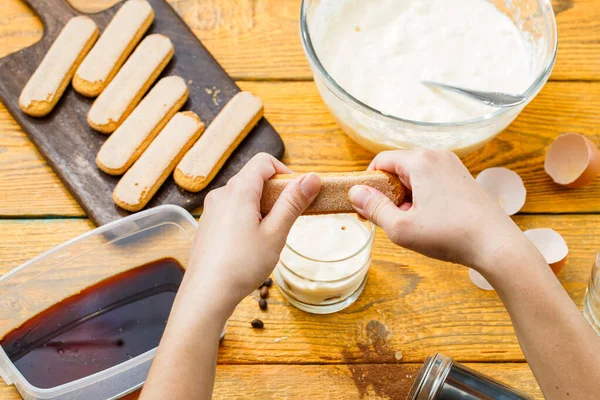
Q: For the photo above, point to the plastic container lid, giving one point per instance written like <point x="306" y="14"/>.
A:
<point x="161" y="232"/>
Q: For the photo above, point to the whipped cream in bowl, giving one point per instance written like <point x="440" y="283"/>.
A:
<point x="369" y="57"/>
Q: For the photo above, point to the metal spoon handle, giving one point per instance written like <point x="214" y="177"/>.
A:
<point x="494" y="99"/>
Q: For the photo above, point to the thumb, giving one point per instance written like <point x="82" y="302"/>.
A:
<point x="376" y="207"/>
<point x="292" y="202"/>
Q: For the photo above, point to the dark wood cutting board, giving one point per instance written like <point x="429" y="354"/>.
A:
<point x="70" y="145"/>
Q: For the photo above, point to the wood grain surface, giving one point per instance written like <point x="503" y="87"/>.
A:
<point x="344" y="382"/>
<point x="314" y="142"/>
<point x="411" y="304"/>
<point x="332" y="382"/>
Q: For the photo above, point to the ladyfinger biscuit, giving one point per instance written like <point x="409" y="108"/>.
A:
<point x="129" y="141"/>
<point x="333" y="197"/>
<point x="126" y="90"/>
<point x="140" y="183"/>
<point x="117" y="41"/>
<point x="50" y="79"/>
<point x="200" y="165"/>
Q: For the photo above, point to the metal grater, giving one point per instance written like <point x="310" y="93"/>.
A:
<point x="441" y="378"/>
<point x="418" y="383"/>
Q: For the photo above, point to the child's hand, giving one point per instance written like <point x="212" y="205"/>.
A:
<point x="449" y="217"/>
<point x="235" y="249"/>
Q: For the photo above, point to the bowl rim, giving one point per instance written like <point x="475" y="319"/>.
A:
<point x="332" y="84"/>
<point x="368" y="242"/>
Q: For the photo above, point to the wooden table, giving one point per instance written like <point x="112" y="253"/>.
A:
<point x="411" y="306"/>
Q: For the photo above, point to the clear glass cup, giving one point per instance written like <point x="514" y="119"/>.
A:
<point x="377" y="131"/>
<point x="591" y="301"/>
<point x="322" y="278"/>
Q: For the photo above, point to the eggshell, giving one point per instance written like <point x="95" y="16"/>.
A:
<point x="572" y="160"/>
<point x="552" y="246"/>
<point x="479" y="281"/>
<point x="505" y="187"/>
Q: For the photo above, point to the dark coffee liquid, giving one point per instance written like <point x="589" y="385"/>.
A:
<point x="104" y="325"/>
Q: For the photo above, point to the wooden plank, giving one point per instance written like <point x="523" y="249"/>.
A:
<point x="19" y="27"/>
<point x="411" y="304"/>
<point x="561" y="107"/>
<point x="578" y="40"/>
<point x="314" y="142"/>
<point x="70" y="145"/>
<point x="366" y="381"/>
<point x="340" y="382"/>
<point x="243" y="34"/>
<point x="30" y="186"/>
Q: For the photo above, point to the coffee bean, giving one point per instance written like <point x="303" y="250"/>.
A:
<point x="262" y="303"/>
<point x="264" y="292"/>
<point x="257" y="324"/>
<point x="268" y="283"/>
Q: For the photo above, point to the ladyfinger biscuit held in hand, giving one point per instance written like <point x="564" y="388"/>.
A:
<point x="117" y="41"/>
<point x="50" y="79"/>
<point x="129" y="141"/>
<point x="144" y="178"/>
<point x="126" y="90"/>
<point x="333" y="197"/>
<point x="200" y="165"/>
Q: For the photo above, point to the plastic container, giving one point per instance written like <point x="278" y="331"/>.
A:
<point x="161" y="232"/>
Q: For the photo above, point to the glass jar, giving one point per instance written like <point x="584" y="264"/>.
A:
<point x="591" y="301"/>
<point x="323" y="267"/>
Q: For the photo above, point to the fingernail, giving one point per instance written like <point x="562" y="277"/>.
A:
<point x="310" y="185"/>
<point x="358" y="196"/>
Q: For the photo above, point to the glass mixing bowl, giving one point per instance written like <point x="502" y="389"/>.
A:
<point x="377" y="131"/>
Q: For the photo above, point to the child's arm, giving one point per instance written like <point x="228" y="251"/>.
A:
<point x="451" y="218"/>
<point x="235" y="250"/>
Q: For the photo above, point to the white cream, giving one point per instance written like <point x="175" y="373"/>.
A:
<point x="116" y="38"/>
<point x="330" y="258"/>
<point x="47" y="79"/>
<point x="380" y="51"/>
